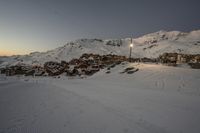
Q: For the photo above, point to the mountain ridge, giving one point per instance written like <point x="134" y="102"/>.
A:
<point x="150" y="45"/>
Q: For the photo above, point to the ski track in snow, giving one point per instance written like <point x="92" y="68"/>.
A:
<point x="35" y="114"/>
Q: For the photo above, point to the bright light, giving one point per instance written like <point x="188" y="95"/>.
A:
<point x="131" y="45"/>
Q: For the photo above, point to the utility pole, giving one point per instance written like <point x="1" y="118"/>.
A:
<point x="131" y="46"/>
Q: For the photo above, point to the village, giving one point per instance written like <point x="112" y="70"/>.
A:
<point x="88" y="64"/>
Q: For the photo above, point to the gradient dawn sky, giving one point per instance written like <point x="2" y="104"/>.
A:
<point x="39" y="25"/>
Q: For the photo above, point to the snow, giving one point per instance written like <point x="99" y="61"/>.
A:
<point x="154" y="99"/>
<point x="150" y="45"/>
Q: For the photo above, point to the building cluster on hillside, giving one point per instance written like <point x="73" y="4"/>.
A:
<point x="23" y="69"/>
<point x="177" y="58"/>
<point x="88" y="64"/>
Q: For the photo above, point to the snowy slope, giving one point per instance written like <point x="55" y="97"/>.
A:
<point x="150" y="45"/>
<point x="156" y="99"/>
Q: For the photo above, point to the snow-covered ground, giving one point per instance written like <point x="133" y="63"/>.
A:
<point x="156" y="99"/>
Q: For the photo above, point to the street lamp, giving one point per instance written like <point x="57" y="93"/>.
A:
<point x="131" y="46"/>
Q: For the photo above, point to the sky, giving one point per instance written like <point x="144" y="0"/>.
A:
<point x="39" y="25"/>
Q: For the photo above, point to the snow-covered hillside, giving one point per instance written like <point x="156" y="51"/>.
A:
<point x="150" y="45"/>
<point x="155" y="99"/>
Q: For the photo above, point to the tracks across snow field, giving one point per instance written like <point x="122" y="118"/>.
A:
<point x="154" y="99"/>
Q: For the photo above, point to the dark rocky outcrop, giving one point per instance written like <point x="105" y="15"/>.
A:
<point x="130" y="70"/>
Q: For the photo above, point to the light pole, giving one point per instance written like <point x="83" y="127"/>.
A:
<point x="131" y="46"/>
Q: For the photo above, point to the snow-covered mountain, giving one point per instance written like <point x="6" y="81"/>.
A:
<point x="150" y="45"/>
